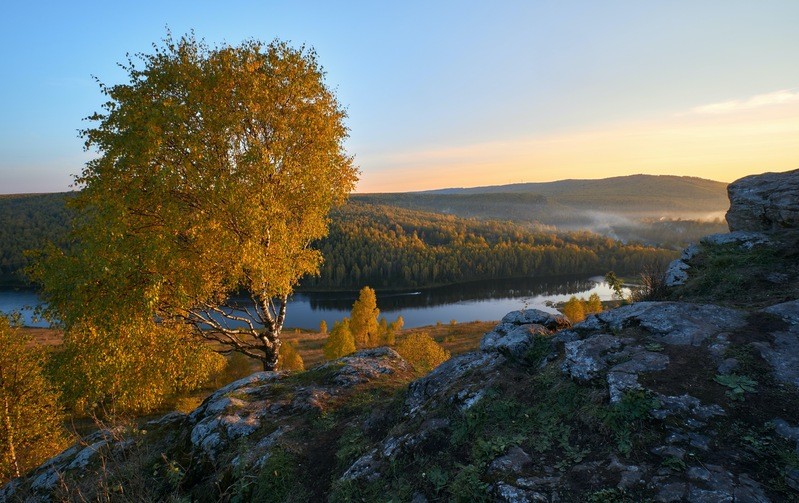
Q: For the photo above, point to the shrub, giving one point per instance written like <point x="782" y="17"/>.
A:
<point x="340" y="342"/>
<point x="289" y="358"/>
<point x="363" y="319"/>
<point x="653" y="284"/>
<point x="574" y="309"/>
<point x="421" y="351"/>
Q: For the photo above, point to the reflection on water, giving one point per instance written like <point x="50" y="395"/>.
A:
<point x="483" y="300"/>
<point x="504" y="289"/>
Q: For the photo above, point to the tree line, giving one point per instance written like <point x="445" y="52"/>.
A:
<point x="390" y="247"/>
<point x="382" y="246"/>
<point x="28" y="222"/>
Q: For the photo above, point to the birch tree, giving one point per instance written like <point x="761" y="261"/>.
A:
<point x="216" y="168"/>
<point x="30" y="417"/>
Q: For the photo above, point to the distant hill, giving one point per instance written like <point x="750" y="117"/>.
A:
<point x="575" y="204"/>
<point x="651" y="185"/>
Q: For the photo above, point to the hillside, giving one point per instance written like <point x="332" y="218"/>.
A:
<point x="659" y="191"/>
<point x="655" y="211"/>
<point x="386" y="246"/>
<point x="390" y="247"/>
<point x="28" y="221"/>
<point x="693" y="397"/>
<point x="621" y="206"/>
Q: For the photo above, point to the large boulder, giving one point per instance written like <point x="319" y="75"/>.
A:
<point x="764" y="202"/>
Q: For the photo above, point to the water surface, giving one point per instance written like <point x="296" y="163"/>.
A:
<point x="477" y="301"/>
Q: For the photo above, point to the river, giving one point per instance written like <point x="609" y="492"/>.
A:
<point x="477" y="301"/>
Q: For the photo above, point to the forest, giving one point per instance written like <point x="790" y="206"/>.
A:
<point x="28" y="222"/>
<point x="392" y="247"/>
<point x="389" y="247"/>
<point x="662" y="211"/>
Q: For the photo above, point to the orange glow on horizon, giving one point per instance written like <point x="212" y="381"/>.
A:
<point x="723" y="142"/>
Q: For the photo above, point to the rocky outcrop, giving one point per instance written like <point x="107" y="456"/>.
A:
<point x="517" y="330"/>
<point x="649" y="350"/>
<point x="691" y="399"/>
<point x="762" y="207"/>
<point x="766" y="202"/>
<point x="684" y="400"/>
<point x="235" y="428"/>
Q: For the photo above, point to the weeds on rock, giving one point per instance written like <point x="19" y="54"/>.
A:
<point x="626" y="419"/>
<point x="738" y="385"/>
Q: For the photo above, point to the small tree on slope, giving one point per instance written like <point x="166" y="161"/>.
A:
<point x="30" y="429"/>
<point x="363" y="319"/>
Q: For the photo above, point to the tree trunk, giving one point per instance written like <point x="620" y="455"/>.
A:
<point x="10" y="435"/>
<point x="271" y="355"/>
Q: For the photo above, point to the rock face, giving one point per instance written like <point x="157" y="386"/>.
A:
<point x="518" y="329"/>
<point x="764" y="202"/>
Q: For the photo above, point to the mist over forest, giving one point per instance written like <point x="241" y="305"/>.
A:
<point x="452" y="235"/>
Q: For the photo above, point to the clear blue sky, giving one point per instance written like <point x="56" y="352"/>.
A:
<point x="450" y="93"/>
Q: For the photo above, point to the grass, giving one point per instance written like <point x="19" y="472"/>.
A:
<point x="734" y="276"/>
<point x="557" y="421"/>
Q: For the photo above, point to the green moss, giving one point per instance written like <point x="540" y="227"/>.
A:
<point x="351" y="445"/>
<point x="627" y="419"/>
<point x="539" y="349"/>
<point x="280" y="479"/>
<point x="467" y="487"/>
<point x="731" y="273"/>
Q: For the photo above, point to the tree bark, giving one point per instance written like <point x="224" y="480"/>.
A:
<point x="270" y="356"/>
<point x="10" y="435"/>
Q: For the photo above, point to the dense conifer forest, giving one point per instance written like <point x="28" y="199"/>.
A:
<point x="27" y="222"/>
<point x="386" y="246"/>
<point x="389" y="246"/>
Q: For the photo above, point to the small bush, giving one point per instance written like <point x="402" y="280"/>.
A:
<point x="653" y="284"/>
<point x="578" y="309"/>
<point x="738" y="385"/>
<point x="340" y="342"/>
<point x="421" y="351"/>
<point x="289" y="358"/>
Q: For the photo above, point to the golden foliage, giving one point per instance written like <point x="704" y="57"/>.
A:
<point x="363" y="319"/>
<point x="391" y="331"/>
<point x="421" y="351"/>
<point x="340" y="341"/>
<point x="289" y="358"/>
<point x="216" y="168"/>
<point x="30" y="418"/>
<point x="594" y="304"/>
<point x="578" y="309"/>
<point x="574" y="309"/>
<point x="133" y="368"/>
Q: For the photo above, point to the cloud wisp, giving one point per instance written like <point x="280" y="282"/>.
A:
<point x="782" y="97"/>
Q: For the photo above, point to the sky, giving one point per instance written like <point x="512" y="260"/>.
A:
<point x="448" y="93"/>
